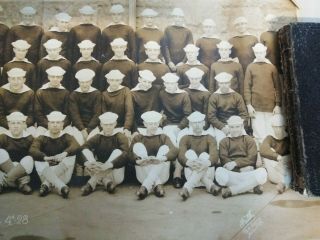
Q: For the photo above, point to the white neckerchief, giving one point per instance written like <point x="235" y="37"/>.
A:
<point x="110" y="91"/>
<point x="46" y="86"/>
<point x="56" y="29"/>
<point x="183" y="25"/>
<point x="91" y="89"/>
<point x="143" y="131"/>
<point x="177" y="91"/>
<point x="226" y="60"/>
<point x="200" y="88"/>
<point x="24" y="89"/>
<point x="138" y="88"/>
<point x="266" y="60"/>
<point x="30" y="25"/>
<point x="113" y="23"/>
<point x="190" y="133"/>
<point x="195" y="64"/>
<point x="83" y="60"/>
<point x="153" y="27"/>
<point x="23" y="60"/>
<point x="243" y="34"/>
<point x="210" y="36"/>
<point x="58" y="58"/>
<point x="242" y="134"/>
<point x="151" y="61"/>
<point x="24" y="134"/>
<point x="125" y="57"/>
<point x="47" y="134"/>
<point x="115" y="131"/>
<point x="219" y="91"/>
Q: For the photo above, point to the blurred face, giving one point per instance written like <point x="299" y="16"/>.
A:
<point x="53" y="53"/>
<point x="55" y="127"/>
<point x="272" y="25"/>
<point x="153" y="54"/>
<point x="119" y="50"/>
<point x="224" y="52"/>
<point x="151" y="127"/>
<point x="87" y="18"/>
<point x="197" y="127"/>
<point x="192" y="56"/>
<point x="235" y="130"/>
<point x="108" y="128"/>
<point x="63" y="25"/>
<point x="224" y="86"/>
<point x="260" y="55"/>
<point x="114" y="84"/>
<point x="171" y="87"/>
<point x="279" y="132"/>
<point x="55" y="81"/>
<point x="208" y="29"/>
<point x="16" y="127"/>
<point x="116" y="17"/>
<point x="85" y="85"/>
<point x="20" y="54"/>
<point x="86" y="52"/>
<point x="27" y="19"/>
<point x="16" y="83"/>
<point x="195" y="82"/>
<point x="178" y="20"/>
<point x="145" y="84"/>
<point x="148" y="21"/>
<point x="241" y="27"/>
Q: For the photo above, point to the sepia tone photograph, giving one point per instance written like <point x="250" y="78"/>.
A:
<point x="150" y="119"/>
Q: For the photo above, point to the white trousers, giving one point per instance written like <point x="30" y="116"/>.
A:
<point x="240" y="182"/>
<point x="196" y="178"/>
<point x="261" y="125"/>
<point x="279" y="171"/>
<point x="154" y="174"/>
<point x="115" y="175"/>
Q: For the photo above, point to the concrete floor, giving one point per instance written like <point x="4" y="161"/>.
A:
<point x="121" y="216"/>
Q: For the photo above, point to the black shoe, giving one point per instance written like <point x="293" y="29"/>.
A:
<point x="177" y="182"/>
<point x="184" y="194"/>
<point x="159" y="191"/>
<point x="142" y="193"/>
<point x="44" y="190"/>
<point x="258" y="190"/>
<point x="226" y="192"/>
<point x="215" y="190"/>
<point x="65" y="192"/>
<point x="111" y="187"/>
<point x="25" y="189"/>
<point x="86" y="189"/>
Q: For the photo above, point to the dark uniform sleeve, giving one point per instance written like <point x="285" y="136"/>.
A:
<point x="94" y="122"/>
<point x="251" y="158"/>
<point x="38" y="111"/>
<point x="8" y="53"/>
<point x="128" y="124"/>
<point x="212" y="112"/>
<point x="132" y="44"/>
<point x="35" y="149"/>
<point x="183" y="147"/>
<point x="212" y="80"/>
<point x="30" y="118"/>
<point x="173" y="151"/>
<point x="213" y="151"/>
<point x="242" y="109"/>
<point x="240" y="79"/>
<point x="166" y="51"/>
<point x="123" y="145"/>
<point x="74" y="112"/>
<point x="247" y="86"/>
<point x="72" y="147"/>
<point x="187" y="110"/>
<point x="265" y="149"/>
<point x="67" y="120"/>
<point x="132" y="156"/>
<point x="276" y="83"/>
<point x="3" y="119"/>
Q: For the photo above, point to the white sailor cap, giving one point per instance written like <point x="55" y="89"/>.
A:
<point x="259" y="47"/>
<point x="119" y="42"/>
<point x="115" y="74"/>
<point x="52" y="44"/>
<point x="63" y="16"/>
<point x="278" y="120"/>
<point x="21" y="44"/>
<point x="151" y="116"/>
<point x="16" y="116"/>
<point x="56" y="116"/>
<point x="147" y="75"/>
<point x="116" y="8"/>
<point x="191" y="48"/>
<point x="224" y="44"/>
<point x="170" y="77"/>
<point x="28" y="10"/>
<point x="235" y="120"/>
<point x="208" y="22"/>
<point x="194" y="73"/>
<point x="87" y="10"/>
<point x="196" y="117"/>
<point x="85" y="75"/>
<point x="177" y="12"/>
<point x="223" y="77"/>
<point x="16" y="72"/>
<point x="152" y="45"/>
<point x="86" y="44"/>
<point x="55" y="71"/>
<point x="108" y="118"/>
<point x="270" y="18"/>
<point x="148" y="12"/>
<point x="240" y="20"/>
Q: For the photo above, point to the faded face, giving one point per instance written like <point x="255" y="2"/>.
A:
<point x="63" y="25"/>
<point x="224" y="53"/>
<point x="87" y="18"/>
<point x="16" y="83"/>
<point x="55" y="127"/>
<point x="119" y="50"/>
<point x="272" y="25"/>
<point x="192" y="56"/>
<point x="86" y="52"/>
<point x="260" y="55"/>
<point x="235" y="130"/>
<point x="27" y="19"/>
<point x="197" y="127"/>
<point x="178" y="20"/>
<point x="151" y="127"/>
<point x="55" y="81"/>
<point x="53" y="53"/>
<point x="208" y="29"/>
<point x="224" y="86"/>
<point x="171" y="87"/>
<point x="20" y="54"/>
<point x="85" y="85"/>
<point x="116" y="17"/>
<point x="148" y="21"/>
<point x="145" y="84"/>
<point x="16" y="127"/>
<point x="195" y="82"/>
<point x="279" y="132"/>
<point x="153" y="53"/>
<point x="114" y="84"/>
<point x="108" y="128"/>
<point x="241" y="27"/>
